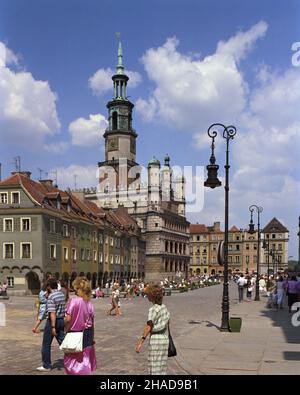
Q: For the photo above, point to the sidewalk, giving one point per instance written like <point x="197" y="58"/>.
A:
<point x="267" y="344"/>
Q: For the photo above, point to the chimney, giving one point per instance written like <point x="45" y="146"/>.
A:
<point x="24" y="173"/>
<point x="216" y="226"/>
<point x="48" y="183"/>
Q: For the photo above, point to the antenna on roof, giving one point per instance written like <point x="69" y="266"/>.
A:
<point x="75" y="181"/>
<point x="17" y="163"/>
<point x="41" y="172"/>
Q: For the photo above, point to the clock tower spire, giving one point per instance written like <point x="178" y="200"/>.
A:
<point x="120" y="137"/>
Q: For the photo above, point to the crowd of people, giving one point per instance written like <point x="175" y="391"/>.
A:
<point x="279" y="288"/>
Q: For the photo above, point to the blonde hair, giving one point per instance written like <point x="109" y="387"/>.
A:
<point x="82" y="287"/>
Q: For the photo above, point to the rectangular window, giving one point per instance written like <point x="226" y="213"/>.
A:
<point x="280" y="236"/>
<point x="106" y="258"/>
<point x="66" y="253"/>
<point x="94" y="237"/>
<point x="280" y="247"/>
<point x="53" y="251"/>
<point x="74" y="254"/>
<point x="74" y="232"/>
<point x="254" y="259"/>
<point x="88" y="254"/>
<point x="100" y="239"/>
<point x="10" y="282"/>
<point x="26" y="251"/>
<point x="247" y="246"/>
<point x="237" y="238"/>
<point x="237" y="259"/>
<point x="25" y="224"/>
<point x="8" y="251"/>
<point x="214" y="259"/>
<point x="8" y="225"/>
<point x="65" y="231"/>
<point x="95" y="255"/>
<point x="82" y="255"/>
<point x="100" y="257"/>
<point x="247" y="259"/>
<point x="4" y="198"/>
<point x="237" y="247"/>
<point x="52" y="225"/>
<point x="106" y="239"/>
<point x="15" y="197"/>
<point x="229" y="247"/>
<point x="198" y="238"/>
<point x="255" y="246"/>
<point x="230" y="259"/>
<point x="273" y="236"/>
<point x="111" y="241"/>
<point x="111" y="259"/>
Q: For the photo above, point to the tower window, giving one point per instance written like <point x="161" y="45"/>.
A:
<point x="115" y="120"/>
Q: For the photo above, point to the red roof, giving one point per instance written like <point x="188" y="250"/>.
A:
<point x="234" y="229"/>
<point x="198" y="228"/>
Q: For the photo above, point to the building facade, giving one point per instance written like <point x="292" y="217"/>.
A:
<point x="46" y="231"/>
<point x="242" y="249"/>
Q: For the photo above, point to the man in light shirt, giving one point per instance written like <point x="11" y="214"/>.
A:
<point x="241" y="283"/>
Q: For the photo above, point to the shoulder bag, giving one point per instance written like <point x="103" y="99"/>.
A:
<point x="172" y="352"/>
<point x="73" y="342"/>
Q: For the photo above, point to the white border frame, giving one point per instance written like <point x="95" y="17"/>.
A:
<point x="30" y="224"/>
<point x="11" y="200"/>
<point x="13" y="225"/>
<point x="14" y="250"/>
<point x="21" y="249"/>
<point x="5" y="193"/>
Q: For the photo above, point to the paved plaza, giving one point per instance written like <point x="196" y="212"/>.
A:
<point x="267" y="343"/>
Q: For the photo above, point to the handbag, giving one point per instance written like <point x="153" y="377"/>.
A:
<point x="72" y="343"/>
<point x="172" y="352"/>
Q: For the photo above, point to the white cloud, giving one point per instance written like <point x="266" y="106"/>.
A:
<point x="27" y="106"/>
<point x="190" y="94"/>
<point x="88" y="132"/>
<point x="101" y="81"/>
<point x="85" y="176"/>
<point x="57" y="148"/>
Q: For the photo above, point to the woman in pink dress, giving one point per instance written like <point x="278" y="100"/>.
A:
<point x="80" y="317"/>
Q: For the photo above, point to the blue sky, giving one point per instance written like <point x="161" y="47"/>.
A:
<point x="249" y="81"/>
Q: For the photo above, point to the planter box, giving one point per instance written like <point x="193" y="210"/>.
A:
<point x="235" y="324"/>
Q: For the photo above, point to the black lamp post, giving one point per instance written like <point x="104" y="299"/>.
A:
<point x="212" y="181"/>
<point x="266" y="246"/>
<point x="251" y="231"/>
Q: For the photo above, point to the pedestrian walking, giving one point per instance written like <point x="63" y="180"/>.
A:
<point x="280" y="292"/>
<point x="249" y="289"/>
<point x="241" y="283"/>
<point x="292" y="292"/>
<point x="55" y="323"/>
<point x="115" y="301"/>
<point x="80" y="317"/>
<point x="157" y="328"/>
<point x="42" y="308"/>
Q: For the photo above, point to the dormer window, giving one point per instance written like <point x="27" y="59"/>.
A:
<point x="68" y="207"/>
<point x="58" y="204"/>
<point x="4" y="198"/>
<point x="15" y="197"/>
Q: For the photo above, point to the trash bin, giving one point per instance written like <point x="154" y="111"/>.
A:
<point x="235" y="324"/>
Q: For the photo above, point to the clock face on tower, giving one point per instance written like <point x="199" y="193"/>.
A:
<point x="113" y="144"/>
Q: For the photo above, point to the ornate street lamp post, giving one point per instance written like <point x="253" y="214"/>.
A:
<point x="212" y="181"/>
<point x="251" y="231"/>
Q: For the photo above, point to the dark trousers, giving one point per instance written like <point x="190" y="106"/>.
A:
<point x="241" y="293"/>
<point x="47" y="340"/>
